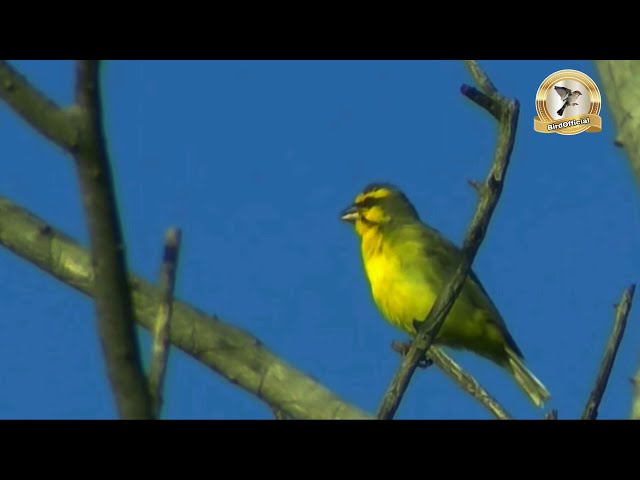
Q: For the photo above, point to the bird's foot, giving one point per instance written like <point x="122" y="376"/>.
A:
<point x="402" y="348"/>
<point x="425" y="363"/>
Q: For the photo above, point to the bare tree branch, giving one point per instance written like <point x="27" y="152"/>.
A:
<point x="230" y="351"/>
<point x="464" y="380"/>
<point x="622" y="312"/>
<point x="467" y="382"/>
<point x="506" y="113"/>
<point x="112" y="296"/>
<point x="80" y="131"/>
<point x="481" y="78"/>
<point x="35" y="108"/>
<point x="160" y="350"/>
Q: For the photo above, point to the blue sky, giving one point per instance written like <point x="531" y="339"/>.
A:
<point x="254" y="161"/>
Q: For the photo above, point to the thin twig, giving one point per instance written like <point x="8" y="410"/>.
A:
<point x="160" y="352"/>
<point x="464" y="380"/>
<point x="467" y="382"/>
<point x="37" y="109"/>
<point x="477" y="186"/>
<point x="622" y="312"/>
<point x="228" y="351"/>
<point x="506" y="113"/>
<point x="112" y="295"/>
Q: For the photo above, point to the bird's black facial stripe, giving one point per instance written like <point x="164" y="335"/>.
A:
<point x="367" y="202"/>
<point x="365" y="220"/>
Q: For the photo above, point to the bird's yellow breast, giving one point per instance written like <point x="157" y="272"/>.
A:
<point x="401" y="295"/>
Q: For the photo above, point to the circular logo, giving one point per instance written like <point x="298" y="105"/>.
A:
<point x="567" y="101"/>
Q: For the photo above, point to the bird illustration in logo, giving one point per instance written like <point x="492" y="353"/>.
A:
<point x="568" y="98"/>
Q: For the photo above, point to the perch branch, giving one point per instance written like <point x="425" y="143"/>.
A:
<point x="467" y="383"/>
<point x="463" y="379"/>
<point x="506" y="113"/>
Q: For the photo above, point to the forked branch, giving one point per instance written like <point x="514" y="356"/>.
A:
<point x="80" y="131"/>
<point x="506" y="113"/>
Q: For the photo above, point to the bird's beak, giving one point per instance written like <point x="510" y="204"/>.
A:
<point x="350" y="214"/>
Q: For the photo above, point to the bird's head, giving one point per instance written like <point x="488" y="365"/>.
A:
<point x="379" y="205"/>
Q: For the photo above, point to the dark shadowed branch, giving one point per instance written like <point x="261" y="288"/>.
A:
<point x="227" y="350"/>
<point x="160" y="349"/>
<point x="112" y="296"/>
<point x="619" y="324"/>
<point x="506" y="113"/>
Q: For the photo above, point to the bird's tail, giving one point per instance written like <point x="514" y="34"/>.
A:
<point x="561" y="111"/>
<point x="527" y="381"/>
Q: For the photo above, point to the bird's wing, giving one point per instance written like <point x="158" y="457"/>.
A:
<point x="447" y="256"/>
<point x="563" y="91"/>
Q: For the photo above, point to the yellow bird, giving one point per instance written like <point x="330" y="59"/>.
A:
<point x="407" y="264"/>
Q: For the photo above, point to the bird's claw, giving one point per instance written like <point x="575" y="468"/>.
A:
<point x="425" y="363"/>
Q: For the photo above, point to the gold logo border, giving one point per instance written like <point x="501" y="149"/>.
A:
<point x="567" y="74"/>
